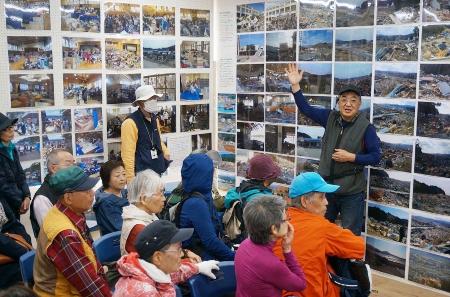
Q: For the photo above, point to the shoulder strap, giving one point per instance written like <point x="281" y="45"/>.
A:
<point x="184" y="197"/>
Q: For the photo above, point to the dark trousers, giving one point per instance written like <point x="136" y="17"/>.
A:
<point x="10" y="274"/>
<point x="351" y="208"/>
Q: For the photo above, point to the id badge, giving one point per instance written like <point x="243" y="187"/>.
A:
<point x="154" y="154"/>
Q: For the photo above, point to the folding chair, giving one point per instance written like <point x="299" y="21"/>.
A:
<point x="107" y="247"/>
<point x="224" y="285"/>
<point x="26" y="262"/>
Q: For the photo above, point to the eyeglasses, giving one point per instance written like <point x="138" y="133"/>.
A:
<point x="350" y="101"/>
<point x="178" y="251"/>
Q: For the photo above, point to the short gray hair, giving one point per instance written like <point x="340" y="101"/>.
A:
<point x="53" y="158"/>
<point x="260" y="214"/>
<point x="297" y="201"/>
<point x="146" y="182"/>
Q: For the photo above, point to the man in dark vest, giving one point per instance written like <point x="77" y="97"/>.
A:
<point x="349" y="143"/>
<point x="142" y="147"/>
<point x="44" y="198"/>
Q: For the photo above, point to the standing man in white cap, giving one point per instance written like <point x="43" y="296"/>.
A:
<point x="142" y="147"/>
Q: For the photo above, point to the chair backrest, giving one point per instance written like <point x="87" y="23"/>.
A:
<point x="26" y="262"/>
<point x="178" y="291"/>
<point x="107" y="247"/>
<point x="224" y="285"/>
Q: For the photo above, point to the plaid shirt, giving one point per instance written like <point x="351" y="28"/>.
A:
<point x="67" y="254"/>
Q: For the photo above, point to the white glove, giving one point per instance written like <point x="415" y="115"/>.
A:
<point x="206" y="268"/>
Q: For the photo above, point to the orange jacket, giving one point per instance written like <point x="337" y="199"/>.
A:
<point x="315" y="239"/>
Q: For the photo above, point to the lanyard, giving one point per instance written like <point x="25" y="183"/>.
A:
<point x="151" y="137"/>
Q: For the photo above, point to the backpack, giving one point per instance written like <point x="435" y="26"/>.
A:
<point x="173" y="205"/>
<point x="233" y="221"/>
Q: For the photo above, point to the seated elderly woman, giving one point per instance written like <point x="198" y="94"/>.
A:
<point x="111" y="198"/>
<point x="14" y="242"/>
<point x="157" y="265"/>
<point x="257" y="267"/>
<point x="146" y="197"/>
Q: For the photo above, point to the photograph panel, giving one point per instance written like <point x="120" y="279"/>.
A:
<point x="226" y="123"/>
<point x="164" y="83"/>
<point x="114" y="151"/>
<point x="433" y="119"/>
<point x="123" y="54"/>
<point x="432" y="157"/>
<point x="122" y="18"/>
<point x="114" y="119"/>
<point x="88" y="143"/>
<point x="226" y="142"/>
<point x="121" y="88"/>
<point x="194" y="86"/>
<point x="309" y="141"/>
<point x="387" y="222"/>
<point x="194" y="54"/>
<point x="395" y="80"/>
<point x="80" y="16"/>
<point x="315" y="45"/>
<point x="276" y="78"/>
<point x="316" y="78"/>
<point x="250" y="107"/>
<point x="435" y="40"/>
<point x="250" y="136"/>
<point x="250" y="78"/>
<point x="27" y="123"/>
<point x="82" y="89"/>
<point x="201" y="142"/>
<point x="30" y="52"/>
<point x="194" y="22"/>
<point x="158" y="20"/>
<point x="32" y="170"/>
<point x="354" y="44"/>
<point x="225" y="180"/>
<point x="354" y="13"/>
<point x="280" y="46"/>
<point x="81" y="53"/>
<point x="389" y="187"/>
<point x="250" y="17"/>
<point x="397" y="43"/>
<point x="357" y="74"/>
<point x="56" y="121"/>
<point x="435" y="11"/>
<point x="194" y="117"/>
<point x="226" y="103"/>
<point x="386" y="256"/>
<point x="167" y="116"/>
<point x="250" y="48"/>
<point x="287" y="166"/>
<point x="280" y="108"/>
<point x="394" y="116"/>
<point x="306" y="165"/>
<point x="398" y="12"/>
<point x="88" y="119"/>
<point x="396" y="152"/>
<point x="159" y="53"/>
<point x="317" y="102"/>
<point x="27" y="15"/>
<point x="29" y="148"/>
<point x="31" y="90"/>
<point x="91" y="166"/>
<point x="430" y="233"/>
<point x="434" y="82"/>
<point x="281" y="15"/>
<point x="228" y="162"/>
<point x="56" y="141"/>
<point x="280" y="139"/>
<point x="314" y="14"/>
<point x="431" y="194"/>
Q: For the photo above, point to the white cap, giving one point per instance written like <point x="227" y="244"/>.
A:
<point x="144" y="93"/>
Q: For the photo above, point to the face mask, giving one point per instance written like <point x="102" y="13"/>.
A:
<point x="151" y="106"/>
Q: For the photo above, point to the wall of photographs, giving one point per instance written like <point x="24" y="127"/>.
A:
<point x="69" y="70"/>
<point x="398" y="53"/>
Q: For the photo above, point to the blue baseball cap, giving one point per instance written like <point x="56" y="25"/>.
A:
<point x="310" y="182"/>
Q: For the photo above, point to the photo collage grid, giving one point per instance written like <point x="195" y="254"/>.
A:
<point x="398" y="54"/>
<point x="108" y="49"/>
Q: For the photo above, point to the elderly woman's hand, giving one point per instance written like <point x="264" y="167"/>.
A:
<point x="193" y="257"/>
<point x="287" y="239"/>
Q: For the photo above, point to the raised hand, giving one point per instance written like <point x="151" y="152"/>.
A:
<point x="293" y="74"/>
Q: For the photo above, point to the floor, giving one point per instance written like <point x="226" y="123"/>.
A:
<point x="387" y="287"/>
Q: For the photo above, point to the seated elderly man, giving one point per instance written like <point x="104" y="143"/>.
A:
<point x="316" y="238"/>
<point x="65" y="263"/>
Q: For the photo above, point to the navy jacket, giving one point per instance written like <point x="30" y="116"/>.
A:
<point x="13" y="184"/>
<point x="200" y="213"/>
<point x="108" y="210"/>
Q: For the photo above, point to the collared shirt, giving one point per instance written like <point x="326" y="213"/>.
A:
<point x="67" y="254"/>
<point x="9" y="149"/>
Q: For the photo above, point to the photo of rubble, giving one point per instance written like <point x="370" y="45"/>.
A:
<point x="394" y="117"/>
<point x="159" y="53"/>
<point x="354" y="13"/>
<point x="32" y="170"/>
<point x="226" y="142"/>
<point x="280" y="109"/>
<point x="436" y="11"/>
<point x="280" y="140"/>
<point x="389" y="187"/>
<point x="434" y="82"/>
<point x="158" y="20"/>
<point x="398" y="12"/>
<point x="280" y="46"/>
<point x="120" y="88"/>
<point x="395" y="80"/>
<point x="164" y="83"/>
<point x="250" y="107"/>
<point x="225" y="181"/>
<point x="306" y="165"/>
<point x="357" y="74"/>
<point x="30" y="53"/>
<point x="250" y="136"/>
<point x="194" y="54"/>
<point x="397" y="43"/>
<point x="194" y="22"/>
<point x="226" y="103"/>
<point x="387" y="222"/>
<point x="386" y="256"/>
<point x="228" y="162"/>
<point x="194" y="86"/>
<point x="122" y="18"/>
<point x="431" y="194"/>
<point x="316" y="78"/>
<point x="226" y="122"/>
<point x="242" y="157"/>
<point x="250" y="48"/>
<point x="432" y="157"/>
<point x="309" y="141"/>
<point x="315" y="45"/>
<point x="315" y="14"/>
<point x="194" y="117"/>
<point x="287" y="166"/>
<point x="250" y="17"/>
<point x="315" y="101"/>
<point x="396" y="152"/>
<point x="429" y="269"/>
<point x="354" y="44"/>
<point x="433" y="119"/>
<point x="250" y="78"/>
<point x="430" y="233"/>
<point x="276" y="78"/>
<point x="435" y="43"/>
<point x="281" y="15"/>
<point x="123" y="54"/>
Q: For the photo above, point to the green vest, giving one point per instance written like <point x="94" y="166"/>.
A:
<point x="349" y="176"/>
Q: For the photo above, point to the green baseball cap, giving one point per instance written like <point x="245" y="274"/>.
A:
<point x="71" y="179"/>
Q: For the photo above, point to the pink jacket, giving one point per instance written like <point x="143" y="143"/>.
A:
<point x="143" y="279"/>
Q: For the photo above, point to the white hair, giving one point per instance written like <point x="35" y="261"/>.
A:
<point x="146" y="183"/>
